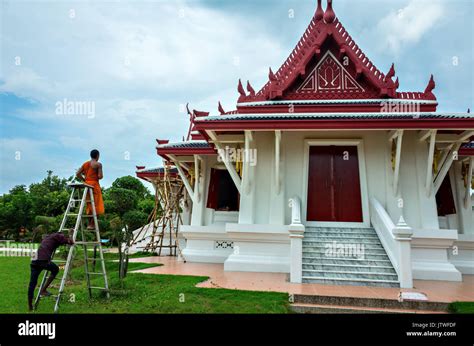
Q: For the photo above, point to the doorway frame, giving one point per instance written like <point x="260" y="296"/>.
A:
<point x="359" y="143"/>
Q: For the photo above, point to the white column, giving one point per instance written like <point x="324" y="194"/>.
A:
<point x="396" y="173"/>
<point x="296" y="230"/>
<point x="426" y="202"/>
<point x="403" y="234"/>
<point x="429" y="166"/>
<point x="247" y="197"/>
<point x="199" y="206"/>
<point x="277" y="189"/>
<point x="465" y="218"/>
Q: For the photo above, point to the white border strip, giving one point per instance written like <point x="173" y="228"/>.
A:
<point x="333" y="115"/>
<point x="335" y="101"/>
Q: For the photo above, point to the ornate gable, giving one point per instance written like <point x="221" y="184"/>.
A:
<point x="327" y="64"/>
<point x="329" y="76"/>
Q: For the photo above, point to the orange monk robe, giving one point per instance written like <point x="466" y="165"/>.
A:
<point x="92" y="179"/>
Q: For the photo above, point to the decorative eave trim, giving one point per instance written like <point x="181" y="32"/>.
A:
<point x="180" y="149"/>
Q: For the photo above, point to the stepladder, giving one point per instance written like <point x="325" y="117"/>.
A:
<point x="80" y="209"/>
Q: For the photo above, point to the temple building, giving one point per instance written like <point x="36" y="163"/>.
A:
<point x="329" y="173"/>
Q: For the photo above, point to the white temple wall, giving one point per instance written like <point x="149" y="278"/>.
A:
<point x="257" y="232"/>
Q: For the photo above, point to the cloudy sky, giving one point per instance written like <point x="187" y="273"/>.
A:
<point x="135" y="64"/>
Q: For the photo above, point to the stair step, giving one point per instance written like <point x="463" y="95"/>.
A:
<point x="349" y="267"/>
<point x="339" y="229"/>
<point x="335" y="275"/>
<point x="350" y="281"/>
<point x="344" y="309"/>
<point x="325" y="245"/>
<point x="343" y="239"/>
<point x="355" y="261"/>
<point x="370" y="233"/>
<point x="346" y="253"/>
<point x="338" y="237"/>
<point x="362" y="256"/>
<point x="340" y="246"/>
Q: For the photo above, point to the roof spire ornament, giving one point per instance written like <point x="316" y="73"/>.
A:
<point x="272" y="76"/>
<point x="191" y="115"/>
<point x="329" y="15"/>
<point x="220" y="108"/>
<point x="319" y="12"/>
<point x="431" y="85"/>
<point x="391" y="73"/>
<point x="250" y="89"/>
<point x="240" y="89"/>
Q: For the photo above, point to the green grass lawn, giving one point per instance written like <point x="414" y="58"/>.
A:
<point x="141" y="293"/>
<point x="462" y="307"/>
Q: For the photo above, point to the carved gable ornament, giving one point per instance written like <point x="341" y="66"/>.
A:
<point x="329" y="75"/>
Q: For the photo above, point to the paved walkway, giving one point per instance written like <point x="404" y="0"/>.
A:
<point x="439" y="291"/>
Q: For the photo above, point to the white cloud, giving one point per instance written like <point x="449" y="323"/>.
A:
<point x="25" y="82"/>
<point x="407" y="25"/>
<point x="114" y="49"/>
<point x="137" y="62"/>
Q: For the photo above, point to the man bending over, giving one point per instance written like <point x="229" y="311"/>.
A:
<point x="43" y="261"/>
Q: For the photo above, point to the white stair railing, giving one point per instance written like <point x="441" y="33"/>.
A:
<point x="296" y="229"/>
<point x="396" y="240"/>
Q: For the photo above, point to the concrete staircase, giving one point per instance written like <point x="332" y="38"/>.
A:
<point x="346" y="256"/>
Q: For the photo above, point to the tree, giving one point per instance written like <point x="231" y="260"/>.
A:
<point x="123" y="199"/>
<point x="15" y="212"/>
<point x="130" y="183"/>
<point x="134" y="219"/>
<point x="146" y="205"/>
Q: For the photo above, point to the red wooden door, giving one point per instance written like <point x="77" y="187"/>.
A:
<point x="320" y="185"/>
<point x="347" y="189"/>
<point x="334" y="184"/>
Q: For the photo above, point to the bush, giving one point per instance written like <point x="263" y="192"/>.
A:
<point x="134" y="219"/>
<point x="124" y="200"/>
<point x="146" y="205"/>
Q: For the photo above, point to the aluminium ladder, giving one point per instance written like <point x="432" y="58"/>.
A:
<point x="83" y="194"/>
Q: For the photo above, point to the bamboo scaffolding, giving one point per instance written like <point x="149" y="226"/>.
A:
<point x="165" y="218"/>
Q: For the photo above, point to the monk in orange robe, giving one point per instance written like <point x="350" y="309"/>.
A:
<point x="90" y="173"/>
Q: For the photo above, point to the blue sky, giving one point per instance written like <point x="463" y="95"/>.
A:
<point x="139" y="62"/>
